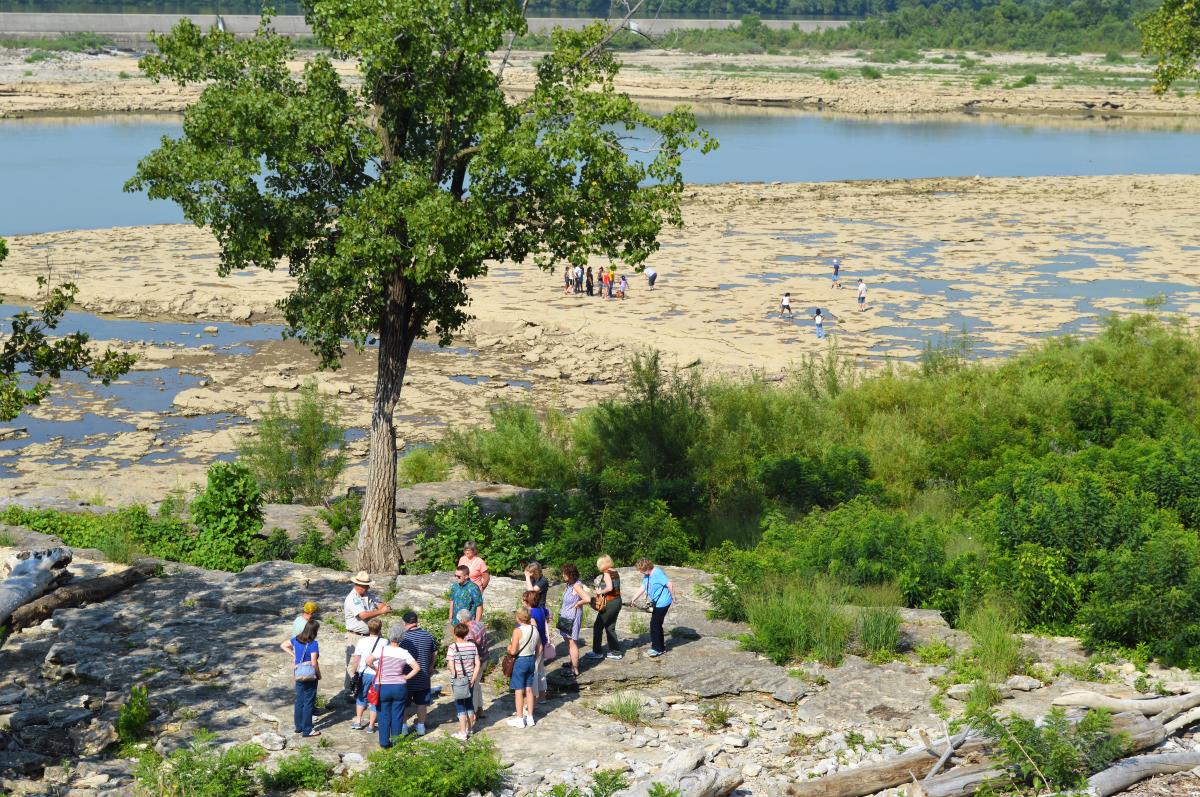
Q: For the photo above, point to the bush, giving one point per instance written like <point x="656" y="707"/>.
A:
<point x="297" y="453"/>
<point x="792" y="620"/>
<point x="435" y="768"/>
<point x="518" y="449"/>
<point x="830" y="75"/>
<point x="203" y="770"/>
<point x="871" y="73"/>
<point x="133" y="716"/>
<point x="422" y="465"/>
<point x="505" y="546"/>
<point x="985" y="79"/>
<point x="312" y="548"/>
<point x="837" y="476"/>
<point x="724" y="599"/>
<point x="1056" y="754"/>
<point x="228" y="514"/>
<point x="1028" y="80"/>
<point x="296" y="772"/>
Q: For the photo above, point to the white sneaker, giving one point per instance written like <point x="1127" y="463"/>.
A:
<point x="420" y="729"/>
<point x="516" y="722"/>
<point x="462" y="737"/>
<point x="529" y="722"/>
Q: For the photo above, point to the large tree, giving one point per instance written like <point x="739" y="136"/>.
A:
<point x="31" y="356"/>
<point x="387" y="193"/>
<point x="1171" y="34"/>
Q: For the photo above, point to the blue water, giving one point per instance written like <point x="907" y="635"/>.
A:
<point x="67" y="173"/>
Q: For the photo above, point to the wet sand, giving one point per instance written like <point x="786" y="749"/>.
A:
<point x="74" y="83"/>
<point x="1010" y="260"/>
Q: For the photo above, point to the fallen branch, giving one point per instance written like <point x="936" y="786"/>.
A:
<point x="965" y="781"/>
<point x="1163" y="708"/>
<point x="92" y="590"/>
<point x="1124" y="774"/>
<point x="875" y="777"/>
<point x="31" y="574"/>
<point x="951" y="746"/>
<point x="1182" y="721"/>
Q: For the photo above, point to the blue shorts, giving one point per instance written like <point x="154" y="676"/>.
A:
<point x="361" y="698"/>
<point x="862" y="299"/>
<point x="418" y="697"/>
<point x="465" y="707"/>
<point x="524" y="673"/>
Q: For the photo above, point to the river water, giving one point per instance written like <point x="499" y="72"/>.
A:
<point x="67" y="173"/>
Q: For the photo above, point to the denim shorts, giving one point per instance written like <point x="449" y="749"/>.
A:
<point x="361" y="698"/>
<point x="524" y="673"/>
<point x="464" y="707"/>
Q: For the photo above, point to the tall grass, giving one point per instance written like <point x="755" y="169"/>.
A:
<point x="794" y="619"/>
<point x="879" y="631"/>
<point x="422" y="465"/>
<point x="991" y="625"/>
<point x="623" y="706"/>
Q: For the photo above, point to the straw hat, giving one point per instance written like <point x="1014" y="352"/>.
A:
<point x="362" y="578"/>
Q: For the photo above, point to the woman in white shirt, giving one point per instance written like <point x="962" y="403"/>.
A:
<point x="363" y="650"/>
<point x="393" y="667"/>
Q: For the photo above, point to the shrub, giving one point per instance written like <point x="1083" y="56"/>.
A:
<point x="986" y="79"/>
<point x="275" y="548"/>
<point x="518" y="449"/>
<point x="299" y="771"/>
<point x="623" y="706"/>
<point x="1056" y="754"/>
<point x="505" y="546"/>
<point x="343" y="515"/>
<point x="1028" y="80"/>
<point x="991" y="626"/>
<point x="312" y="548"/>
<point x="443" y="767"/>
<point x="716" y="716"/>
<point x="228" y="514"/>
<point x="836" y="477"/>
<point x="792" y="620"/>
<point x="133" y="716"/>
<point x="422" y="465"/>
<point x="297" y="453"/>
<point x="724" y="599"/>
<point x="1036" y="579"/>
<point x="830" y="75"/>
<point x="936" y="651"/>
<point x="1113" y="57"/>
<point x="871" y="73"/>
<point x="203" y="770"/>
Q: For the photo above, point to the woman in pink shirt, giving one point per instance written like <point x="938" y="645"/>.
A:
<point x="474" y="563"/>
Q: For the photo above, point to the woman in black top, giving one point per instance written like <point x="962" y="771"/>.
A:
<point x="608" y="584"/>
<point x="535" y="581"/>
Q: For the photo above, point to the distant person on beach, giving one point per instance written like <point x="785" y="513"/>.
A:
<point x="819" y="320"/>
<point x="837" y="274"/>
<point x="651" y="276"/>
<point x="623" y="287"/>
<point x="579" y="279"/>
<point x="589" y="282"/>
<point x="610" y="281"/>
<point x="566" y="280"/>
<point x="862" y="295"/>
<point x="785" y="304"/>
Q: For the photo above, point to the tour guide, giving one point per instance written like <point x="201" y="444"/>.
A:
<point x="359" y="607"/>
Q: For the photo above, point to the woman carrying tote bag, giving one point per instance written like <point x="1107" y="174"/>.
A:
<point x="462" y="659"/>
<point x="307" y="672"/>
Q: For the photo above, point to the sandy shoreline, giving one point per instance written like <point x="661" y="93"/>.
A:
<point x="76" y="83"/>
<point x="1014" y="260"/>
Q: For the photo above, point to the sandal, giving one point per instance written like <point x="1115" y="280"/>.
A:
<point x="314" y="733"/>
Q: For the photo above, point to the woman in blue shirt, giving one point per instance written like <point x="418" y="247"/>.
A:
<point x="307" y="670"/>
<point x="657" y="587"/>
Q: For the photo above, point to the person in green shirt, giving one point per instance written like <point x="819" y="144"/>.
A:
<point x="464" y="594"/>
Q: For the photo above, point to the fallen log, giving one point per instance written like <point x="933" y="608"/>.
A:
<point x="1162" y="707"/>
<point x="1182" y="721"/>
<point x="92" y="590"/>
<point x="966" y="780"/>
<point x="1125" y="773"/>
<point x="904" y="768"/>
<point x="30" y="575"/>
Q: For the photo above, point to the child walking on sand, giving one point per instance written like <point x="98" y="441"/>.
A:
<point x="862" y="295"/>
<point x="785" y="304"/>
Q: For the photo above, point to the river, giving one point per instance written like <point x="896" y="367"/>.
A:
<point x="66" y="172"/>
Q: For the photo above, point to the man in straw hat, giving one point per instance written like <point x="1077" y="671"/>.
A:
<point x="359" y="607"/>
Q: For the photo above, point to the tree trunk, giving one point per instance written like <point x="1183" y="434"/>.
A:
<point x="76" y="594"/>
<point x="30" y="575"/>
<point x="378" y="550"/>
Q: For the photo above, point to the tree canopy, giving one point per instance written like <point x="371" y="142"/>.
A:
<point x="31" y="354"/>
<point x="385" y="196"/>
<point x="1172" y="34"/>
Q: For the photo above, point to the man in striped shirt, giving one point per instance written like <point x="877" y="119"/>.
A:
<point x="423" y="647"/>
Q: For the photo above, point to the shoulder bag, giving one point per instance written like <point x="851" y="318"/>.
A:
<point x="509" y="661"/>
<point x="460" y="684"/>
<point x="305" y="670"/>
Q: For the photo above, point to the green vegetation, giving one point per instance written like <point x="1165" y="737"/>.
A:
<point x="1027" y="80"/>
<point x="1055" y="754"/>
<point x="1172" y="36"/>
<point x="381" y="237"/>
<point x="202" y="769"/>
<point x="991" y="626"/>
<point x="831" y="75"/>
<point x="879" y="632"/>
<point x="623" y="706"/>
<point x="443" y="767"/>
<point x="228" y="515"/>
<point x="73" y="42"/>
<point x="133" y="716"/>
<point x="422" y="465"/>
<point x="606" y="783"/>
<point x="716" y="716"/>
<point x="508" y="546"/>
<point x="871" y="73"/>
<point x="1066" y="479"/>
<point x="935" y="652"/>
<point x="296" y="772"/>
<point x="296" y="452"/>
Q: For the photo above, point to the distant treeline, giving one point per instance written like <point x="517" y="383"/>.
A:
<point x="1078" y="25"/>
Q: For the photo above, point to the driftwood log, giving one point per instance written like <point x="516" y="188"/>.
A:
<point x="31" y="574"/>
<point x="687" y="772"/>
<point x="1125" y="773"/>
<point x="904" y="768"/>
<point x="78" y="593"/>
<point x="964" y="781"/>
<point x="1163" y="708"/>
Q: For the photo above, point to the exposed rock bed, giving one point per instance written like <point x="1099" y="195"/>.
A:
<point x="204" y="643"/>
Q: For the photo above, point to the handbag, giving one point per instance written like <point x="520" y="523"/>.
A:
<point x="565" y="626"/>
<point x="598" y="602"/>
<point x="460" y="685"/>
<point x="357" y="681"/>
<point x="507" y="663"/>
<point x="373" y="689"/>
<point x="305" y="671"/>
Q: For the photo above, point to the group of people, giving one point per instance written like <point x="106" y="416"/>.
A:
<point x="605" y="283"/>
<point x="785" y="303"/>
<point x="390" y="678"/>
